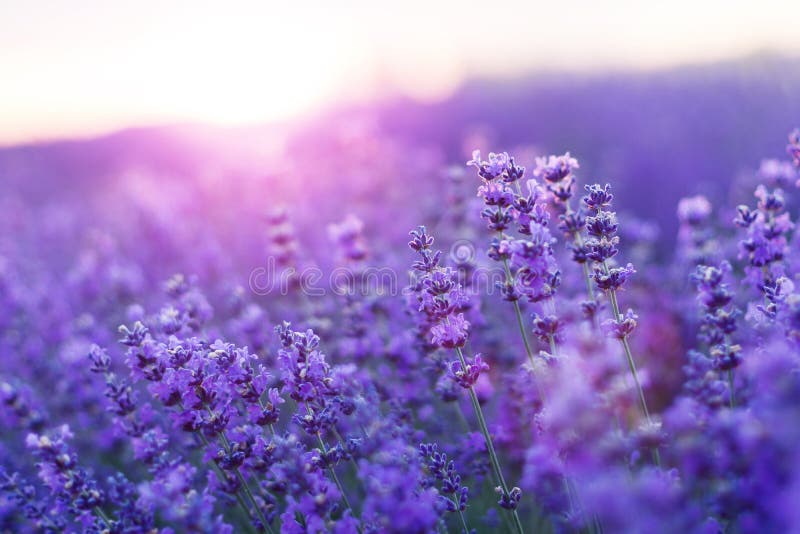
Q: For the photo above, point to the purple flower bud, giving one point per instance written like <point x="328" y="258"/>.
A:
<point x="452" y="332"/>
<point x="694" y="211"/>
<point x="133" y="338"/>
<point x="466" y="377"/>
<point x="778" y="173"/>
<point x="793" y="148"/>
<point x="420" y="240"/>
<point x="614" y="278"/>
<point x="513" y="172"/>
<point x="624" y="327"/>
<point x="769" y="200"/>
<point x="554" y="169"/>
<point x="745" y="216"/>
<point x="604" y="224"/>
<point x="726" y="356"/>
<point x="491" y="169"/>
<point x="496" y="194"/>
<point x="509" y="500"/>
<point x="498" y="219"/>
<point x="598" y="197"/>
<point x="348" y="235"/>
<point x="598" y="250"/>
<point x="547" y="327"/>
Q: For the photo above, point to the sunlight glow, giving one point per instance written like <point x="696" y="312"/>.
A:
<point x="78" y="68"/>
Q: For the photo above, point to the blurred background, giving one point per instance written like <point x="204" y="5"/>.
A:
<point x="236" y="106"/>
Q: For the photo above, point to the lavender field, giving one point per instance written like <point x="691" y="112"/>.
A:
<point x="569" y="303"/>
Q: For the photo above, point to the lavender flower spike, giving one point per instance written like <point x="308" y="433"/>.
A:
<point x="439" y="295"/>
<point x="602" y="225"/>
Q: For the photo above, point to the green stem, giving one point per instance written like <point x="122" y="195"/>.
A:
<point x="522" y="332"/>
<point x="553" y="346"/>
<point x="629" y="358"/>
<point x="612" y="295"/>
<point x="336" y="480"/>
<point x="568" y="491"/>
<point x="586" y="275"/>
<point x="520" y="322"/>
<point x="730" y="388"/>
<point x="245" y="487"/>
<point x="335" y="477"/>
<point x="731" y="382"/>
<point x="339" y="438"/>
<point x="587" y="279"/>
<point x="460" y="513"/>
<point x="222" y="478"/>
<point x="102" y="515"/>
<point x="489" y="445"/>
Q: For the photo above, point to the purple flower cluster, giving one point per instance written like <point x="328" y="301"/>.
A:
<point x="72" y="486"/>
<point x="717" y="327"/>
<point x="532" y="270"/>
<point x="765" y="246"/>
<point x="453" y="495"/>
<point x="506" y="390"/>
<point x="601" y="225"/>
<point x="696" y="234"/>
<point x="282" y="240"/>
<point x="348" y="236"/>
<point x="439" y="293"/>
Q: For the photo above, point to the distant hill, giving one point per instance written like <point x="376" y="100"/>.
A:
<point x="657" y="135"/>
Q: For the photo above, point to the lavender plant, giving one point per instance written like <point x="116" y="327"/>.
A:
<point x="440" y="296"/>
<point x="199" y="404"/>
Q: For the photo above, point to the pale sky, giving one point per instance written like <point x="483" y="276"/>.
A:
<point x="81" y="67"/>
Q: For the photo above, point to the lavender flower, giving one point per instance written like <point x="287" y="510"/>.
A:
<point x="793" y="148"/>
<point x="197" y="415"/>
<point x="765" y="245"/>
<point x="442" y="472"/>
<point x="556" y="169"/>
<point x="695" y="233"/>
<point x="602" y="226"/>
<point x="34" y="507"/>
<point x="777" y="173"/>
<point x="694" y="210"/>
<point x="491" y="169"/>
<point x="439" y="295"/>
<point x="348" y="236"/>
<point x="71" y="485"/>
<point x="528" y="262"/>
<point x="558" y="173"/>
<point x="467" y="375"/>
<point x="719" y="319"/>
